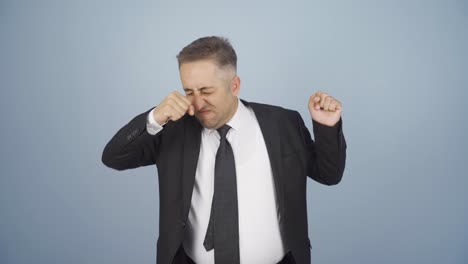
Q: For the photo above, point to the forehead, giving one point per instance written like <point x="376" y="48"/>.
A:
<point x="201" y="73"/>
<point x="198" y="69"/>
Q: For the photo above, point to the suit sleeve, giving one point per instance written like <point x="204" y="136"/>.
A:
<point x="132" y="146"/>
<point x="327" y="154"/>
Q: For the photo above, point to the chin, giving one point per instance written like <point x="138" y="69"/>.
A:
<point x="205" y="124"/>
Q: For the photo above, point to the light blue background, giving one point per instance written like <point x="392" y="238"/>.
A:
<point x="73" y="73"/>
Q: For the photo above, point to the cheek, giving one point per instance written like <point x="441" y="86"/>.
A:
<point x="218" y="101"/>
<point x="213" y="101"/>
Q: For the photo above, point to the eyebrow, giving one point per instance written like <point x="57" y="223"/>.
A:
<point x="202" y="88"/>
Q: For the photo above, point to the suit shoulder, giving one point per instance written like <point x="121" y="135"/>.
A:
<point x="277" y="110"/>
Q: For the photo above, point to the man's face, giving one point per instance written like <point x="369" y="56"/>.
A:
<point x="213" y="91"/>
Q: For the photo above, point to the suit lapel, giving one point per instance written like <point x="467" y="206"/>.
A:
<point x="192" y="139"/>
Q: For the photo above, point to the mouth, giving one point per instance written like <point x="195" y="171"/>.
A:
<point x="203" y="112"/>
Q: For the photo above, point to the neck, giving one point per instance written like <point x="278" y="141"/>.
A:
<point x="233" y="111"/>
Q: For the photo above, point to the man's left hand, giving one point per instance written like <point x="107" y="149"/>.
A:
<point x="324" y="109"/>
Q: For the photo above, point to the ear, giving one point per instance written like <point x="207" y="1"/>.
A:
<point x="235" y="85"/>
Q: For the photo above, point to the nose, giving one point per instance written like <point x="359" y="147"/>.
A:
<point x="198" y="102"/>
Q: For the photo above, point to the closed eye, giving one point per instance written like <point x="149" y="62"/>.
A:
<point x="206" y="90"/>
<point x="203" y="90"/>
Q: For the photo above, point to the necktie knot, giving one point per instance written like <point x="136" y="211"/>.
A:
<point x="223" y="130"/>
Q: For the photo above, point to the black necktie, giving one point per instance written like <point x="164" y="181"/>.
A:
<point x="223" y="228"/>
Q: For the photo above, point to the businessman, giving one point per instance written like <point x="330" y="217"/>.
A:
<point x="232" y="174"/>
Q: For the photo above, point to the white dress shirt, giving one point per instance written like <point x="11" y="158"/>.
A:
<point x="259" y="234"/>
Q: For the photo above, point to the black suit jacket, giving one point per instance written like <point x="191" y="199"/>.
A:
<point x="293" y="156"/>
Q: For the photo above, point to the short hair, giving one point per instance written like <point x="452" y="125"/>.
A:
<point x="216" y="48"/>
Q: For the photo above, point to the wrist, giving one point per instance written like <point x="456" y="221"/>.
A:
<point x="158" y="117"/>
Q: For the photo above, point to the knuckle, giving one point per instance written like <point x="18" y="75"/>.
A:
<point x="165" y="108"/>
<point x="172" y="95"/>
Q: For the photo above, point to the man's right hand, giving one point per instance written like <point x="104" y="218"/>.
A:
<point x="173" y="107"/>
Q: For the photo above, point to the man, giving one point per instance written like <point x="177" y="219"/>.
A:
<point x="232" y="174"/>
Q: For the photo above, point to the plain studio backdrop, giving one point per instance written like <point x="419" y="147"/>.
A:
<point x="74" y="72"/>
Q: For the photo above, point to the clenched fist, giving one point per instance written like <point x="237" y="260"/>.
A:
<point x="324" y="109"/>
<point x="173" y="107"/>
